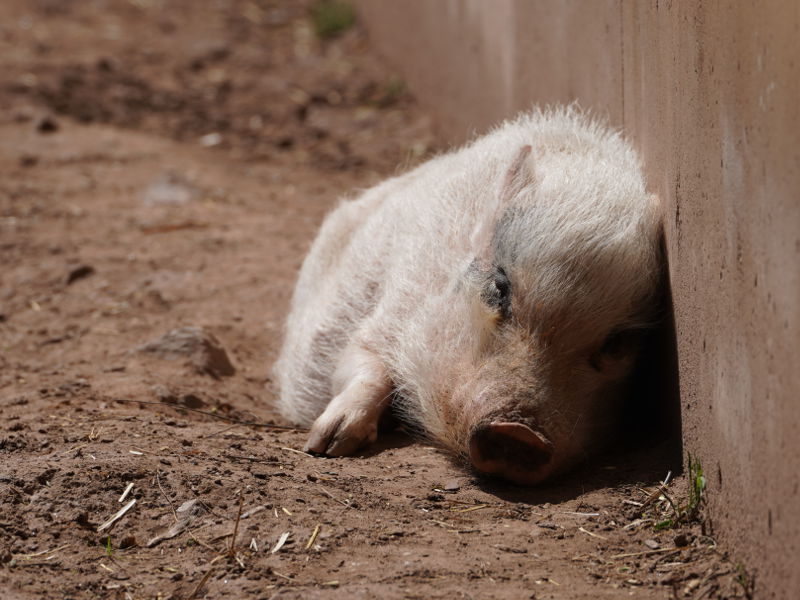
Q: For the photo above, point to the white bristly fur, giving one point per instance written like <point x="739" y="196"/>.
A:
<point x="390" y="271"/>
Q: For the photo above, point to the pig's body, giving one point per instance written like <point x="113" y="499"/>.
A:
<point x="492" y="294"/>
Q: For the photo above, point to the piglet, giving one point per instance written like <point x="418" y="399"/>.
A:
<point x="494" y="296"/>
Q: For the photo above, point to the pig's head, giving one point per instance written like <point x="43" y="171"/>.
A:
<point x="546" y="319"/>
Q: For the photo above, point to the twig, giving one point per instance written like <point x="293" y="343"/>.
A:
<point x="78" y="447"/>
<point x="120" y="513"/>
<point x="232" y="551"/>
<point x="663" y="558"/>
<point x="41" y="553"/>
<point x="645" y="553"/>
<point x="216" y="433"/>
<point x="253" y="511"/>
<point x="213" y="415"/>
<point x="125" y="493"/>
<point x="597" y="535"/>
<point x="313" y="538"/>
<point x="202" y="543"/>
<point x="249" y="458"/>
<point x="306" y="454"/>
<point x="282" y="575"/>
<point x="334" y="498"/>
<point x="667" y="478"/>
<point x="201" y="583"/>
<point x="653" y="496"/>
<point x="158" y="481"/>
<point x="281" y="542"/>
<point x="470" y="508"/>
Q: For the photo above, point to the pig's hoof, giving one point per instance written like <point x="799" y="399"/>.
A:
<point x="341" y="436"/>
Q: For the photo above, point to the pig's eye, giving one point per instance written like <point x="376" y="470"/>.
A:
<point x="619" y="346"/>
<point x="497" y="292"/>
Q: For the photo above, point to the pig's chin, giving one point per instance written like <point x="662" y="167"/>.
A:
<point x="513" y="451"/>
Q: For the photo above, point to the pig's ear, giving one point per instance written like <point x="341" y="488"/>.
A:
<point x="518" y="176"/>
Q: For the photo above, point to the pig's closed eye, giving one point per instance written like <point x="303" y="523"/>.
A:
<point x="619" y="346"/>
<point x="497" y="292"/>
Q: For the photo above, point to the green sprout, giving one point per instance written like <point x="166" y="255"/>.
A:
<point x="744" y="580"/>
<point x="688" y="511"/>
<point x="331" y="18"/>
<point x="697" y="487"/>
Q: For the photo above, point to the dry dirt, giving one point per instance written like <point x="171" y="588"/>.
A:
<point x="164" y="166"/>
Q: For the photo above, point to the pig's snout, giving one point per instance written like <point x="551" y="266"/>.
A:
<point x="511" y="450"/>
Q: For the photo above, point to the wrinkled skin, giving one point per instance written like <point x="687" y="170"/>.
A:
<point x="495" y="296"/>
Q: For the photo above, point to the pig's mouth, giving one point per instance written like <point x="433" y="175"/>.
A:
<point x="512" y="450"/>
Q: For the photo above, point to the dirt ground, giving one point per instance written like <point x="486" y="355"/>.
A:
<point x="164" y="166"/>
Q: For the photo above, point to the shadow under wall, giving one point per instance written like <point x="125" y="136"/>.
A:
<point x="652" y="414"/>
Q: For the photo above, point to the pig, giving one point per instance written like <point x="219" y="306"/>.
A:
<point x="495" y="297"/>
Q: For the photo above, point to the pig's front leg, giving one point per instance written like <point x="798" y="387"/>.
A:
<point x="362" y="391"/>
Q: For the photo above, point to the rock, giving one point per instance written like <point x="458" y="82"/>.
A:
<point x="164" y="394"/>
<point x="192" y="401"/>
<point x="681" y="540"/>
<point x="47" y="125"/>
<point x="169" y="189"/>
<point x="210" y="140"/>
<point x="452" y="486"/>
<point x="79" y="272"/>
<point x="203" y="350"/>
<point x="186" y="514"/>
<point x="28" y="160"/>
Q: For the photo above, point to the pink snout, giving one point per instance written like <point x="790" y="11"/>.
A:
<point x="511" y="450"/>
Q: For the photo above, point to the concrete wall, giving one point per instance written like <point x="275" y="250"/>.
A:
<point x="710" y="94"/>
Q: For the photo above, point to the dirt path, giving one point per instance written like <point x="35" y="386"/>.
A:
<point x="165" y="165"/>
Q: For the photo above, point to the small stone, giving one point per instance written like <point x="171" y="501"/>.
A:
<point x="210" y="140"/>
<point x="511" y="549"/>
<point x="79" y="272"/>
<point x="105" y="64"/>
<point x="164" y="395"/>
<point x="681" y="540"/>
<point x="170" y="189"/>
<point x="202" y="349"/>
<point x="652" y="544"/>
<point x="28" y="160"/>
<point x="192" y="401"/>
<point x="452" y="486"/>
<point x="47" y="125"/>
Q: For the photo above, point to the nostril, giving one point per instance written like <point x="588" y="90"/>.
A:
<point x="512" y="450"/>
